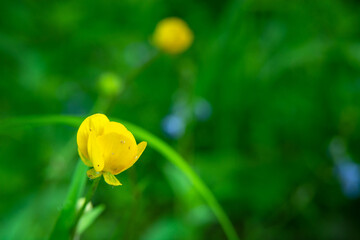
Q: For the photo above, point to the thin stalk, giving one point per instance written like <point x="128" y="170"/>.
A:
<point x="136" y="72"/>
<point x="88" y="197"/>
<point x="102" y="105"/>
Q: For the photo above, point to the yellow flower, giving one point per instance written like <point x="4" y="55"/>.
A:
<point x="173" y="35"/>
<point x="108" y="147"/>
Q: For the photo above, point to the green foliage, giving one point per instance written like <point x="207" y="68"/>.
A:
<point x="89" y="218"/>
<point x="66" y="219"/>
<point x="67" y="215"/>
<point x="282" y="81"/>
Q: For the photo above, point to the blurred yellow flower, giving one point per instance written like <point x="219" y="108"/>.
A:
<point x="108" y="147"/>
<point x="173" y="35"/>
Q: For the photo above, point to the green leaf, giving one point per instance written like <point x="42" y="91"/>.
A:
<point x="67" y="215"/>
<point x="88" y="218"/>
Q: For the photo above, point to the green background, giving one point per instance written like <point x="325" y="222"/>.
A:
<point x="279" y="79"/>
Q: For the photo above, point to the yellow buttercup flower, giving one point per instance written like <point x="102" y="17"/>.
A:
<point x="108" y="147"/>
<point x="173" y="35"/>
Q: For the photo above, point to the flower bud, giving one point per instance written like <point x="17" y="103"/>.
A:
<point x="110" y="84"/>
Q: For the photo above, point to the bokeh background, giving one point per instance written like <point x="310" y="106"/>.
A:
<point x="265" y="107"/>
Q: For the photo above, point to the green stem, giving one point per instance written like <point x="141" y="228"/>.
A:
<point x="101" y="105"/>
<point x="88" y="197"/>
<point x="63" y="224"/>
<point x="136" y="72"/>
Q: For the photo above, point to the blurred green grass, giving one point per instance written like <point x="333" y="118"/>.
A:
<point x="282" y="79"/>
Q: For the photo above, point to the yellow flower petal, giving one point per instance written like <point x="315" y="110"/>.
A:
<point x="84" y="159"/>
<point x="92" y="173"/>
<point x="141" y="147"/>
<point x="118" y="151"/>
<point x="119" y="129"/>
<point x="97" y="123"/>
<point x="94" y="123"/>
<point x="96" y="152"/>
<point x="111" y="179"/>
